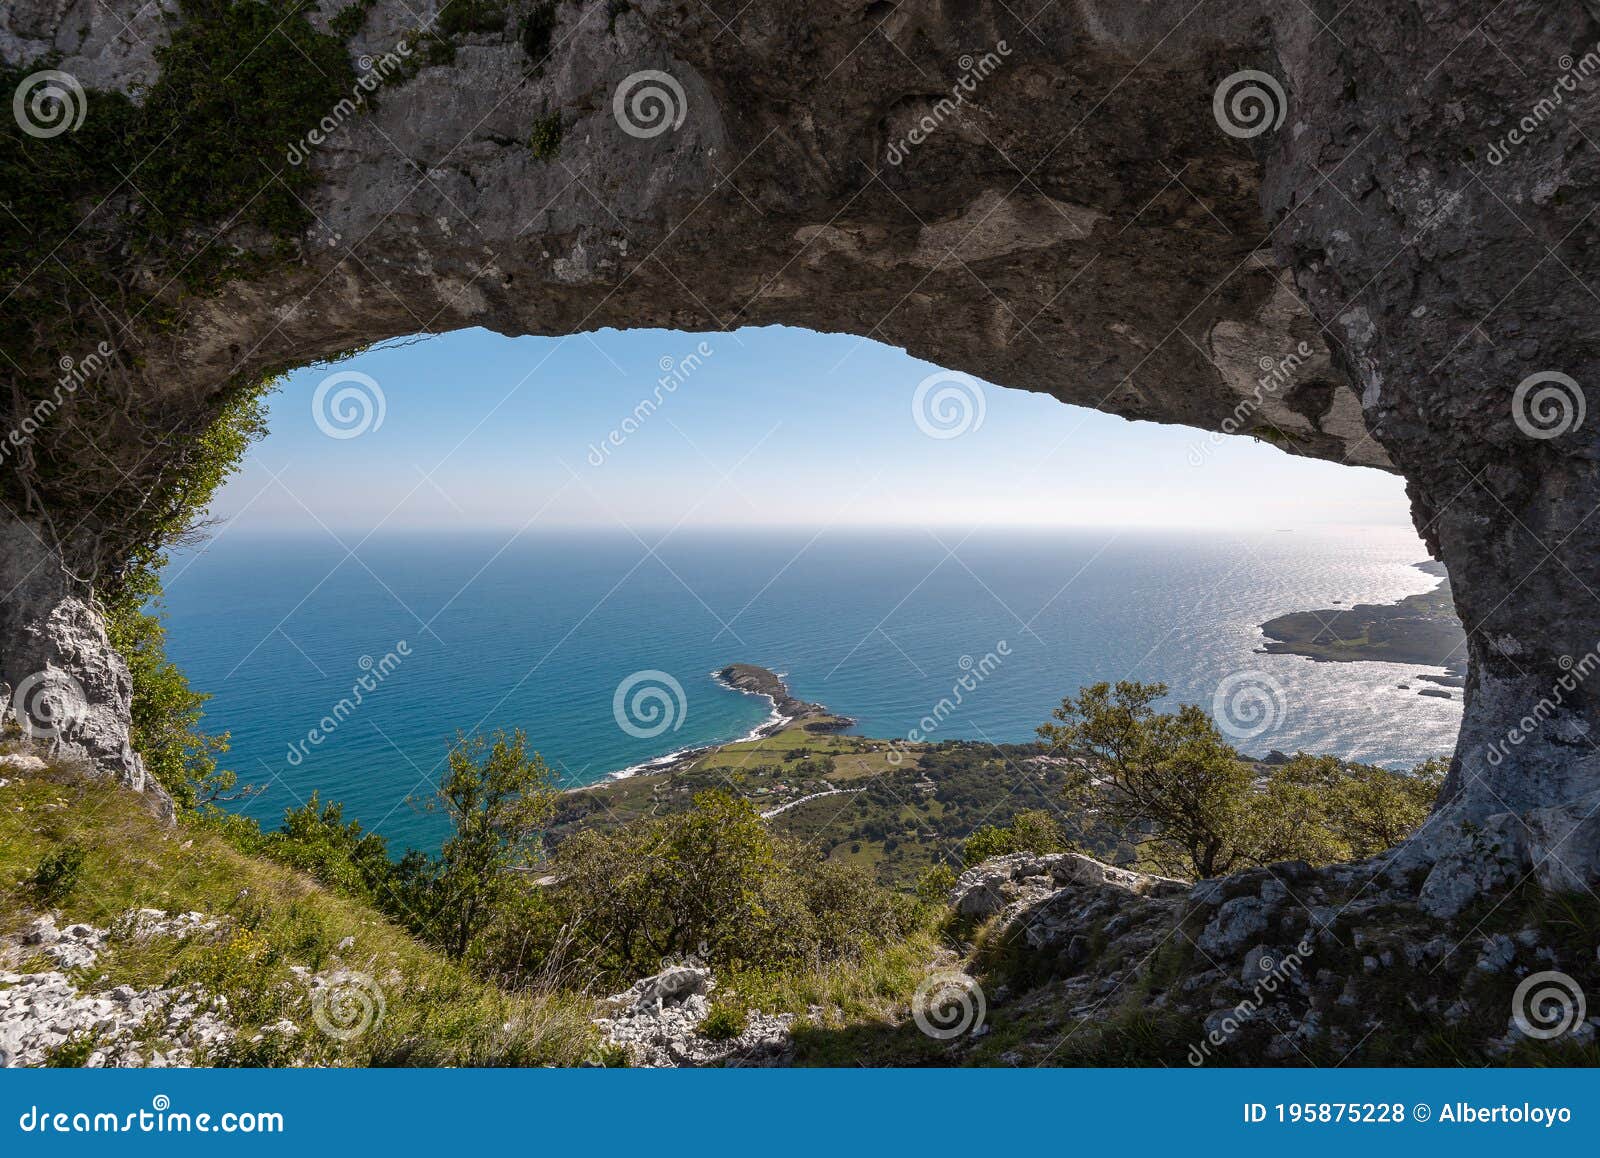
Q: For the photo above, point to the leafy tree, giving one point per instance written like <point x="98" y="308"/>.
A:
<point x="693" y="882"/>
<point x="1193" y="807"/>
<point x="933" y="886"/>
<point x="1376" y="808"/>
<point x="714" y="882"/>
<point x="498" y="799"/>
<point x="1169" y="782"/>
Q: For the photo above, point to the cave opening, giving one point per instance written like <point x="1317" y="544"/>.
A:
<point x="507" y="530"/>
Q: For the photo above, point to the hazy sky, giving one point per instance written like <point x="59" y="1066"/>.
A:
<point x="774" y="426"/>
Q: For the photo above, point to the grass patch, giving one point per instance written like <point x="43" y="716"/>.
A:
<point x="273" y="920"/>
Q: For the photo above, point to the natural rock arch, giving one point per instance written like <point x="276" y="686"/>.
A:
<point x="1070" y="204"/>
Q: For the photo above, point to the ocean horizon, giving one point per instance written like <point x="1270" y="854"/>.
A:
<point x="414" y="636"/>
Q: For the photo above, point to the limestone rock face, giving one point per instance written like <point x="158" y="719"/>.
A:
<point x="1388" y="265"/>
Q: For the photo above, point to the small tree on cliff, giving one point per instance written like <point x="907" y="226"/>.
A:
<point x="1168" y="783"/>
<point x="498" y="799"/>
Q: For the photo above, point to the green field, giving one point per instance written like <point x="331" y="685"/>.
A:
<point x="895" y="812"/>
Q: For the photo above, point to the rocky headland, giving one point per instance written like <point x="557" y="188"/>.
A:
<point x="758" y="681"/>
<point x="1419" y="629"/>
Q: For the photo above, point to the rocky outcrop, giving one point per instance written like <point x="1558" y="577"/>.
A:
<point x="1373" y="246"/>
<point x="1286" y="964"/>
<point x="42" y="1012"/>
<point x="62" y="684"/>
<point x="657" y="1022"/>
<point x="1023" y="878"/>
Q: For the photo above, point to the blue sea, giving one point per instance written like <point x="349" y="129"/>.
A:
<point x="440" y="632"/>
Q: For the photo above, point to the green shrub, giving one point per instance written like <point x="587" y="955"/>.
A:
<point x="1033" y="830"/>
<point x="348" y="21"/>
<point x="726" y="1021"/>
<point x="1168" y="783"/>
<point x="74" y="1053"/>
<point x="499" y="799"/>
<point x="933" y="887"/>
<point x="315" y="838"/>
<point x="545" y="140"/>
<point x="713" y="882"/>
<point x="57" y="873"/>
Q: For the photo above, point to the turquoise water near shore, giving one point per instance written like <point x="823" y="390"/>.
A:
<point x="483" y="630"/>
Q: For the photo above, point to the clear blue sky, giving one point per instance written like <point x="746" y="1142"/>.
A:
<point x="774" y="427"/>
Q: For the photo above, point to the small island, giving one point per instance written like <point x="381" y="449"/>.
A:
<point x="1419" y="629"/>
